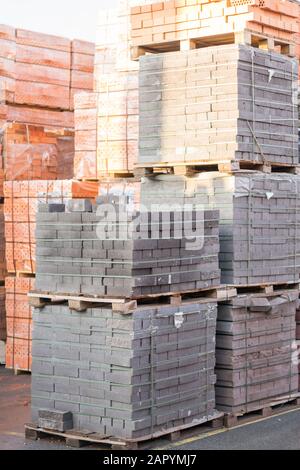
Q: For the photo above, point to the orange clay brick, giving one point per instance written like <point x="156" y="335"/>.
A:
<point x="19" y="323"/>
<point x="157" y="6"/>
<point x="272" y="16"/>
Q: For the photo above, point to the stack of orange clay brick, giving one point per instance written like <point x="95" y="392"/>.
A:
<point x="271" y="24"/>
<point x="39" y="76"/>
<point x="21" y="203"/>
<point x="106" y="121"/>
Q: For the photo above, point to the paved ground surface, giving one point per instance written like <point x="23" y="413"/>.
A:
<point x="278" y="432"/>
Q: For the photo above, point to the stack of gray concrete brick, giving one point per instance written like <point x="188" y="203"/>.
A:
<point x="259" y="220"/>
<point x="223" y="103"/>
<point x="126" y="376"/>
<point x="142" y="255"/>
<point x="297" y="346"/>
<point x="255" y="348"/>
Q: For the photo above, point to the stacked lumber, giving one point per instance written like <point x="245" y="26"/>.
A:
<point x="254" y="355"/>
<point x="19" y="322"/>
<point x="36" y="152"/>
<point x="269" y="24"/>
<point x="156" y="374"/>
<point x="41" y="70"/>
<point x="20" y="208"/>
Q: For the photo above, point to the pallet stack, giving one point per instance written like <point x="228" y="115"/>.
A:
<point x="217" y="113"/>
<point x="152" y="354"/>
<point x="43" y="70"/>
<point x="39" y="76"/>
<point x="220" y="97"/>
<point x="255" y="347"/>
<point x="135" y="376"/>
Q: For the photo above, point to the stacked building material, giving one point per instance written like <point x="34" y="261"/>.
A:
<point x="19" y="322"/>
<point x="268" y="24"/>
<point x="35" y="116"/>
<point x="85" y="113"/>
<point x="297" y="345"/>
<point x="117" y="122"/>
<point x="2" y="315"/>
<point x="42" y="70"/>
<point x="39" y="76"/>
<point x="82" y="68"/>
<point x="2" y="245"/>
<point x="36" y="152"/>
<point x="221" y="97"/>
<point x="127" y="376"/>
<point x="259" y="242"/>
<point x="254" y="355"/>
<point x="151" y="371"/>
<point x="146" y="253"/>
<point x="112" y="110"/>
<point x="20" y="208"/>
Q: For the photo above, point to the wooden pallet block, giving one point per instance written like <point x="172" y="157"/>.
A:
<point x="267" y="289"/>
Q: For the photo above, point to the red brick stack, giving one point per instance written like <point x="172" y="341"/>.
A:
<point x="40" y="75"/>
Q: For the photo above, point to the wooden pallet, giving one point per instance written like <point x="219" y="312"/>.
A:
<point x="75" y="438"/>
<point x="231" y="167"/>
<point x="247" y="37"/>
<point x="280" y="405"/>
<point x="267" y="289"/>
<point x="125" y="306"/>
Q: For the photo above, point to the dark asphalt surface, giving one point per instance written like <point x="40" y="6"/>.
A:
<point x="276" y="433"/>
<point x="279" y="432"/>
